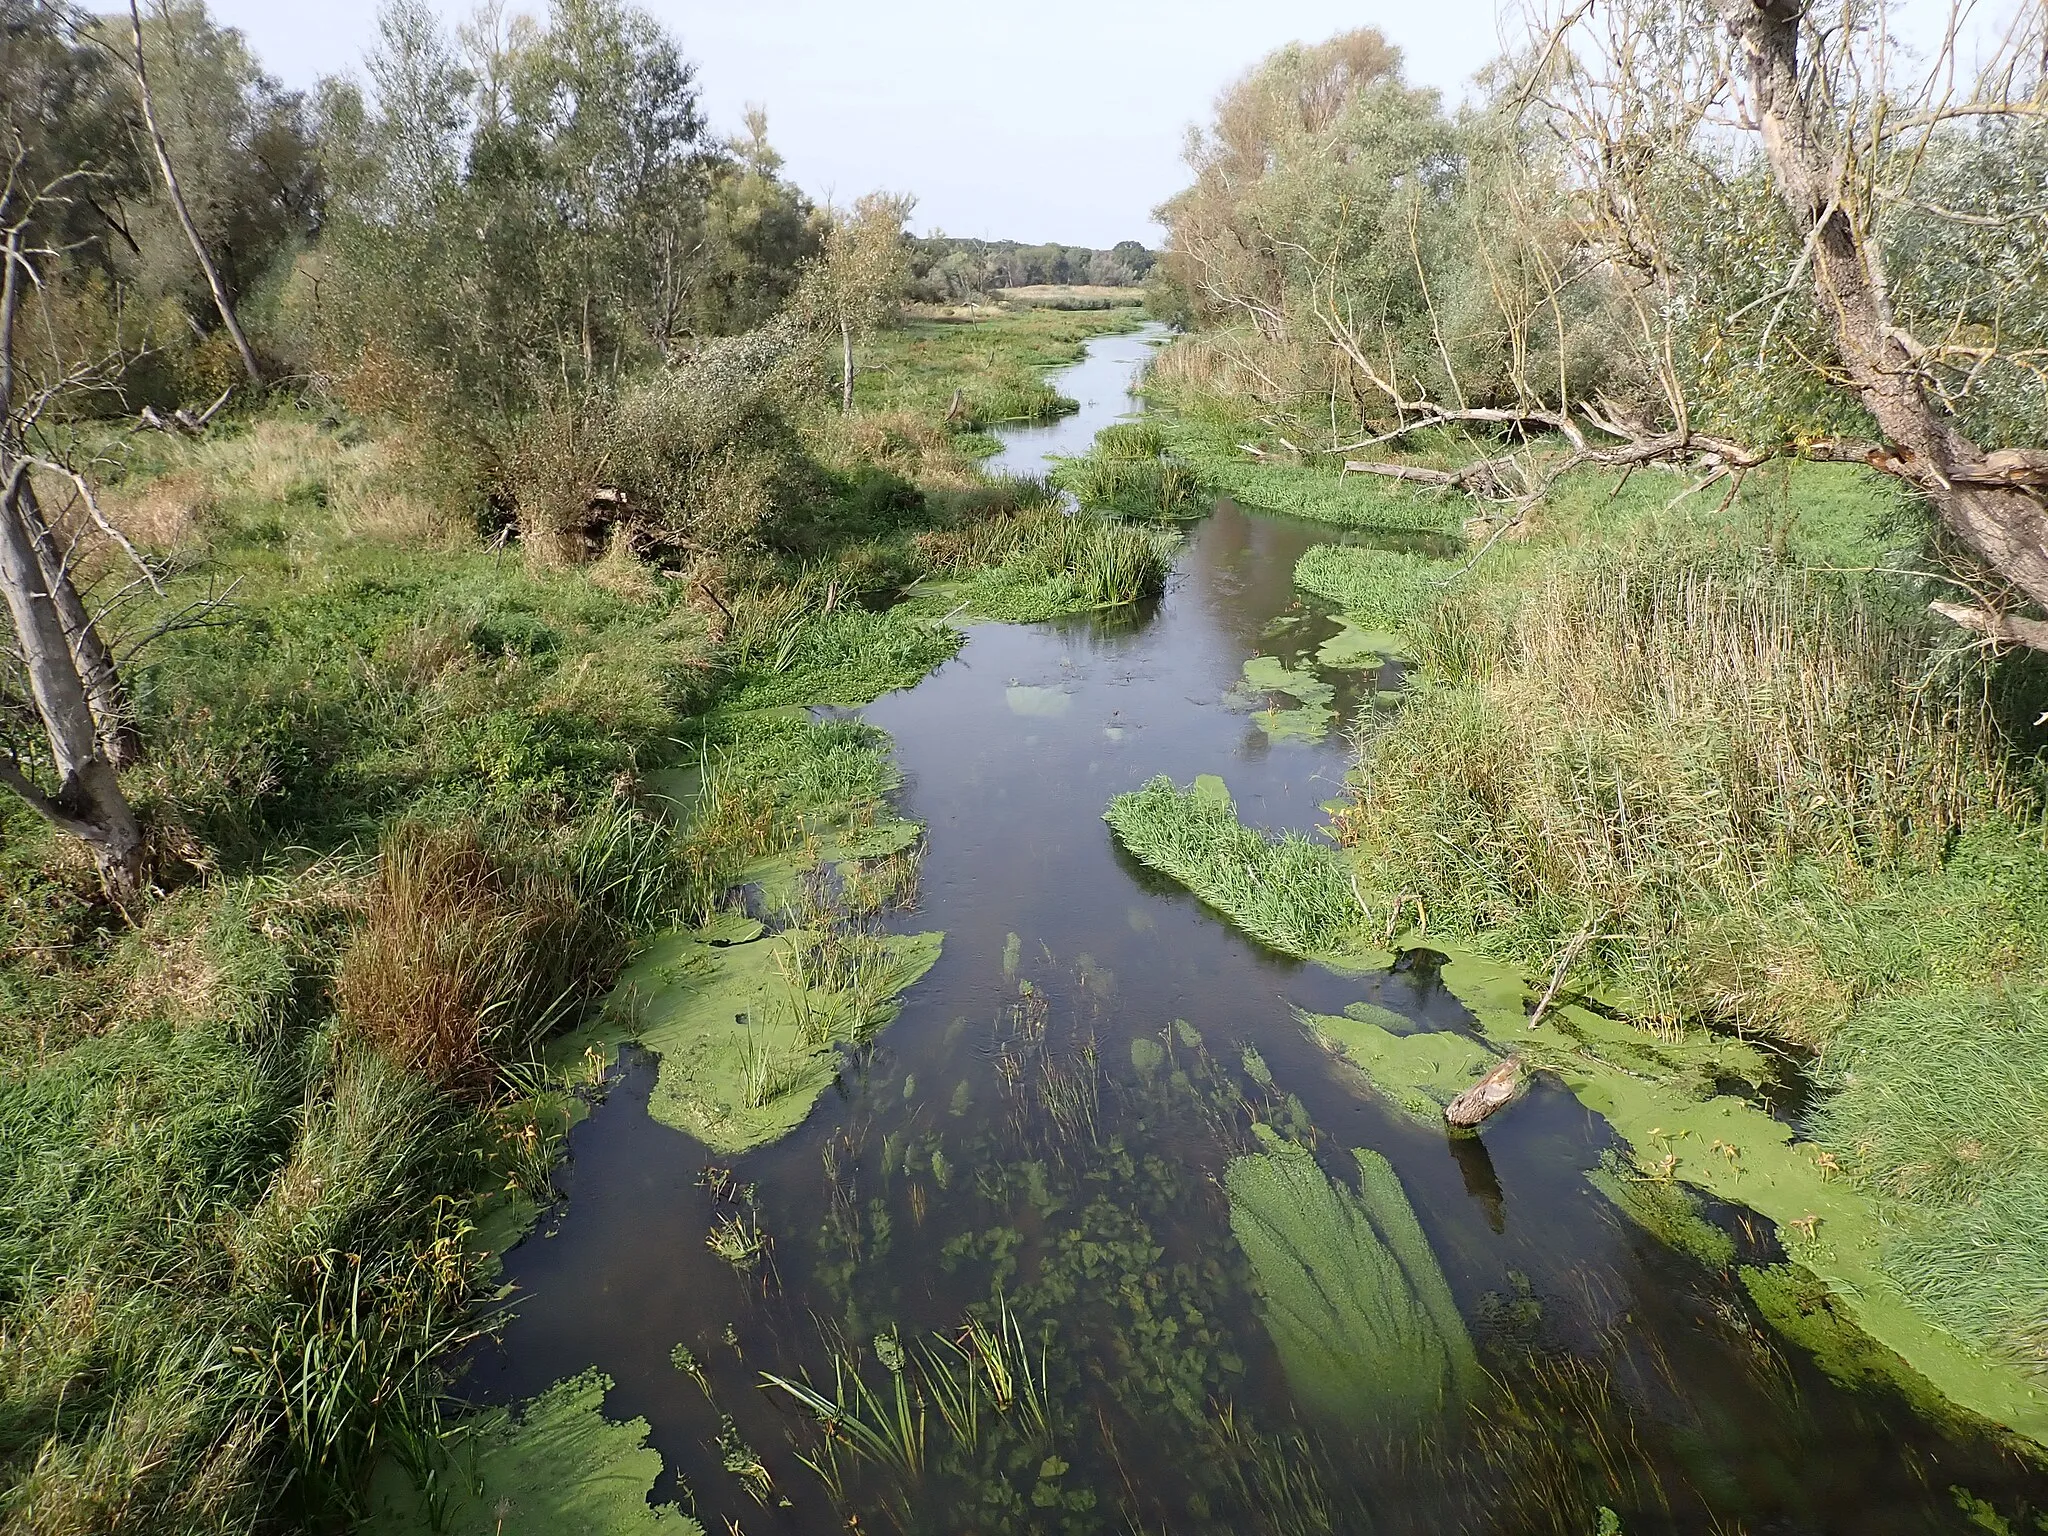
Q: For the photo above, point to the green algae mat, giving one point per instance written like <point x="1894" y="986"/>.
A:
<point x="557" y="1468"/>
<point x="748" y="1033"/>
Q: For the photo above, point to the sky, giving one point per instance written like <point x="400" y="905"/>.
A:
<point x="1053" y="120"/>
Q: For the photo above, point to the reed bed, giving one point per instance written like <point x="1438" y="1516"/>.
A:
<point x="1635" y="756"/>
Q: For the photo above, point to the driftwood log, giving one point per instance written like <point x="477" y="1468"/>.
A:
<point x="1490" y="1093"/>
<point x="181" y="422"/>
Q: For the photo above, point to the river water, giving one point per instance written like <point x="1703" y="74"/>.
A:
<point x="1051" y="1120"/>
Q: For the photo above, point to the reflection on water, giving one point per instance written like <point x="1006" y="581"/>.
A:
<point x="1103" y="383"/>
<point x="1051" y="1122"/>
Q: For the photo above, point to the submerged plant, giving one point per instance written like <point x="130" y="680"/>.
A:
<point x="684" y="1359"/>
<point x="737" y="1238"/>
<point x="1353" y="1296"/>
<point x="740" y="1460"/>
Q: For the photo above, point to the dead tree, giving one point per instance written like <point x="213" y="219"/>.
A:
<point x="214" y="285"/>
<point x="1631" y="86"/>
<point x="72" y="688"/>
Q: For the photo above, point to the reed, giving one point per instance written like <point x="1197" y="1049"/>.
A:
<point x="1649" y="751"/>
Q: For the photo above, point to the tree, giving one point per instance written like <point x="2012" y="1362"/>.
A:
<point x="221" y="300"/>
<point x="1719" y="232"/>
<point x="1836" y="161"/>
<point x="68" y="692"/>
<point x="518" y="221"/>
<point x="859" y="278"/>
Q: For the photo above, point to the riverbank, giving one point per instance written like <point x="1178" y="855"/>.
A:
<point x="413" y="802"/>
<point x="1706" y="759"/>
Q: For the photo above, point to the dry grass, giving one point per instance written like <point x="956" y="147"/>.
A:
<point x="460" y="953"/>
<point x="905" y="442"/>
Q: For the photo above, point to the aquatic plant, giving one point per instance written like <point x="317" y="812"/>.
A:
<point x="1381" y="589"/>
<point x="742" y="1461"/>
<point x="684" y="1359"/>
<point x="1352" y="1295"/>
<point x="737" y="1238"/>
<point x="553" y="1464"/>
<point x="1289" y="892"/>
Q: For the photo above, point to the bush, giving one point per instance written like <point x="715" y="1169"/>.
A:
<point x="472" y="952"/>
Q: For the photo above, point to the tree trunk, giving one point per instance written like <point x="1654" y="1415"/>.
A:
<point x="2002" y="523"/>
<point x="845" y="366"/>
<point x="163" y="160"/>
<point x="88" y="803"/>
<point x="113" y="712"/>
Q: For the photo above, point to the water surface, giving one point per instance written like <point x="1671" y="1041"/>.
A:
<point x="1051" y="1120"/>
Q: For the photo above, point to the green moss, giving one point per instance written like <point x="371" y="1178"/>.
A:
<point x="1266" y="676"/>
<point x="556" y="1467"/>
<point x="1354" y="1299"/>
<point x="1800" y="1305"/>
<point x="1656" y="1095"/>
<point x="1420" y="1072"/>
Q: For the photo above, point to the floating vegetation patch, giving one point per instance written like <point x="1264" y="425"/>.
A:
<point x="1356" y="1303"/>
<point x="1379" y="589"/>
<point x="1420" y="1072"/>
<point x="1355" y="648"/>
<point x="1289" y="892"/>
<point x="1265" y="676"/>
<point x="555" y="1467"/>
<point x="749" y="1034"/>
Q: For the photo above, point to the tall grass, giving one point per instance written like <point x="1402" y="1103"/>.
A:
<point x="1939" y="1100"/>
<point x="1130" y="473"/>
<point x="1039" y="564"/>
<point x="1640" y="752"/>
<point x="471" y="952"/>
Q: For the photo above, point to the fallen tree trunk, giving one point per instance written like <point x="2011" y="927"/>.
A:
<point x="1490" y="1094"/>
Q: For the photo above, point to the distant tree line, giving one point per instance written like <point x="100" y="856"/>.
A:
<point x="944" y="270"/>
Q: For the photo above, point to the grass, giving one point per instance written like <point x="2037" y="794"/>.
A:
<point x="1939" y="1100"/>
<point x="1043" y="563"/>
<point x="1129" y="472"/>
<point x="997" y="363"/>
<point x="1207" y="442"/>
<point x="1291" y="893"/>
<point x="412" y="801"/>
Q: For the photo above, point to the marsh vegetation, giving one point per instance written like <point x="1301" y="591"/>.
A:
<point x="560" y="961"/>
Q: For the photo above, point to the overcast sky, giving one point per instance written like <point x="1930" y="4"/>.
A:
<point x="1049" y="120"/>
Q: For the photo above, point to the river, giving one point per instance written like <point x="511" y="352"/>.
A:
<point x="1053" y="1118"/>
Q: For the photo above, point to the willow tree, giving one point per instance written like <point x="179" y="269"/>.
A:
<point x="1805" y="247"/>
<point x="858" y="279"/>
